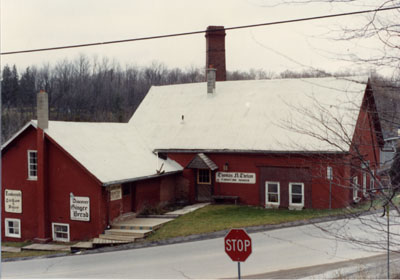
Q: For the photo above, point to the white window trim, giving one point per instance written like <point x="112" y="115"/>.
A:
<point x="55" y="238"/>
<point x="269" y="204"/>
<point x="329" y="173"/>
<point x="296" y="206"/>
<point x="7" y="233"/>
<point x="355" y="189"/>
<point x="372" y="181"/>
<point x="364" y="178"/>
<point x="30" y="177"/>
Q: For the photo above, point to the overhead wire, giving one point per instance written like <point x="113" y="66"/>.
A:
<point x="200" y="31"/>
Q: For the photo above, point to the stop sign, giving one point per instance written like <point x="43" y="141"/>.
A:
<point x="238" y="245"/>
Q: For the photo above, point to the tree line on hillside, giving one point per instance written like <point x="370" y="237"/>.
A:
<point x="98" y="90"/>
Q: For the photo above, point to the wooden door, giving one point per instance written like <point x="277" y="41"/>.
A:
<point x="204" y="186"/>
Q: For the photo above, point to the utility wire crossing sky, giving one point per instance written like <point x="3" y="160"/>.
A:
<point x="201" y="31"/>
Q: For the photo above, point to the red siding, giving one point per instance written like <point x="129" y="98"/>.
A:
<point x="365" y="142"/>
<point x="167" y="189"/>
<point x="253" y="194"/>
<point x="66" y="177"/>
<point x="147" y="194"/>
<point x="14" y="177"/>
<point x="63" y="177"/>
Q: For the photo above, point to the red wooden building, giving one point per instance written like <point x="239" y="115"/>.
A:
<point x="291" y="143"/>
<point x="69" y="181"/>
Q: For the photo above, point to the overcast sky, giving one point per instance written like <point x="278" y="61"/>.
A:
<point x="28" y="24"/>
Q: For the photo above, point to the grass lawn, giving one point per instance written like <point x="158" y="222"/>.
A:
<point x="28" y="253"/>
<point x="219" y="217"/>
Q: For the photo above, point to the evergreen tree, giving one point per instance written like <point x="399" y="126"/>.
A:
<point x="9" y="87"/>
<point x="28" y="89"/>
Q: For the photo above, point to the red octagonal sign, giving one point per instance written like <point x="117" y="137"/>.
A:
<point x="238" y="245"/>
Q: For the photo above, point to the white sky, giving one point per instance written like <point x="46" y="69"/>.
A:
<point x="28" y="24"/>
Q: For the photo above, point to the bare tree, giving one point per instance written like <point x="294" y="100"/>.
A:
<point x="381" y="196"/>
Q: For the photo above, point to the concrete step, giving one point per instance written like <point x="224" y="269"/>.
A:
<point x="141" y="223"/>
<point x="117" y="237"/>
<point x="10" y="249"/>
<point x="139" y="233"/>
<point x="47" y="247"/>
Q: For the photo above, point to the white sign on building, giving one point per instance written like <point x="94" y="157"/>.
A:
<point x="115" y="193"/>
<point x="235" y="177"/>
<point x="13" y="201"/>
<point x="80" y="208"/>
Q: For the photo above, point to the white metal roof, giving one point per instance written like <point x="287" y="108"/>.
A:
<point x="263" y="115"/>
<point x="112" y="152"/>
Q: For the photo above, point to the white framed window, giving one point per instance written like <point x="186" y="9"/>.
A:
<point x="272" y="194"/>
<point x="372" y="181"/>
<point x="12" y="228"/>
<point x="32" y="165"/>
<point x="355" y="189"/>
<point x="204" y="176"/>
<point x="364" y="183"/>
<point x="60" y="232"/>
<point x="296" y="195"/>
<point x="329" y="173"/>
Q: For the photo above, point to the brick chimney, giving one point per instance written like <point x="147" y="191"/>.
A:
<point x="215" y="51"/>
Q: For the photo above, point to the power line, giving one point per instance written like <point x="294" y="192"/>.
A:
<point x="201" y="31"/>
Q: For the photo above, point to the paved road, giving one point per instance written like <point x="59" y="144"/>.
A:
<point x="281" y="249"/>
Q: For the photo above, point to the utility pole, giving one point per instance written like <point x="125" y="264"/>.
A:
<point x="388" y="240"/>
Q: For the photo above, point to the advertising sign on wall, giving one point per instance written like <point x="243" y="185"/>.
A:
<point x="13" y="201"/>
<point x="235" y="177"/>
<point x="115" y="193"/>
<point x="80" y="208"/>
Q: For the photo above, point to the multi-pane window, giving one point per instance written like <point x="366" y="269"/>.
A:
<point x="296" y="194"/>
<point x="13" y="228"/>
<point x="272" y="193"/>
<point x="61" y="232"/>
<point x="32" y="165"/>
<point x="203" y="176"/>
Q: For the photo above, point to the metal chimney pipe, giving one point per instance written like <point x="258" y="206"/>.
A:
<point x="211" y="80"/>
<point x="43" y="110"/>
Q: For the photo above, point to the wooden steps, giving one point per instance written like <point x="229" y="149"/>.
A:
<point x="137" y="233"/>
<point x="129" y="228"/>
<point x="117" y="237"/>
<point x="84" y="245"/>
<point x="141" y="223"/>
<point x="101" y="241"/>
